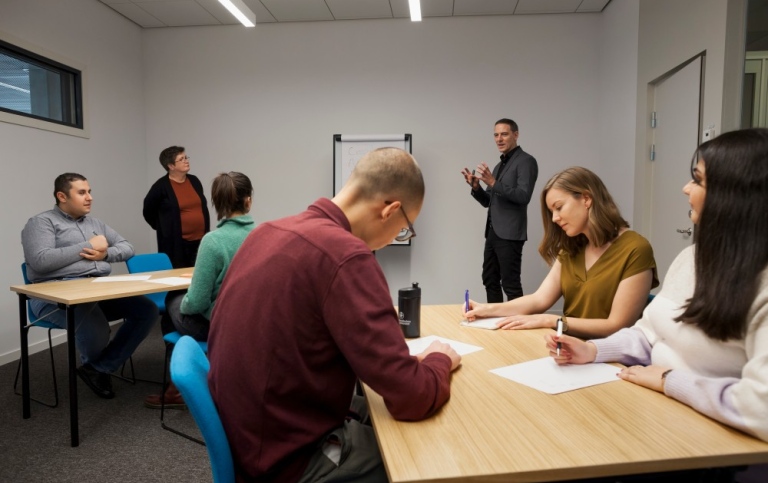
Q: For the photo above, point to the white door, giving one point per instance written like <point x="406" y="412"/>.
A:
<point x="676" y="101"/>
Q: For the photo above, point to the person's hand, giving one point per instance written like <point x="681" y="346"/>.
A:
<point x="572" y="349"/>
<point x="471" y="179"/>
<point x="476" y="310"/>
<point x="99" y="243"/>
<point x="95" y="255"/>
<point x="441" y="348"/>
<point x="485" y="174"/>
<point x="646" y="376"/>
<point x="536" y="321"/>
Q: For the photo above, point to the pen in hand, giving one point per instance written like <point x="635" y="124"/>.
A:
<point x="559" y="333"/>
<point x="466" y="301"/>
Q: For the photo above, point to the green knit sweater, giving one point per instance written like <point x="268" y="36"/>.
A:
<point x="216" y="251"/>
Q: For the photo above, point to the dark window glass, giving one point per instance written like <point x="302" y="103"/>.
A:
<point x="40" y="88"/>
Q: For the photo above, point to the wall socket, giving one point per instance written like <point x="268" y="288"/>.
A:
<point x="708" y="134"/>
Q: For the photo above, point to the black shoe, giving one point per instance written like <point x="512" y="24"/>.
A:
<point x="100" y="383"/>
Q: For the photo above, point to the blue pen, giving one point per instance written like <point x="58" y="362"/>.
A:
<point x="466" y="301"/>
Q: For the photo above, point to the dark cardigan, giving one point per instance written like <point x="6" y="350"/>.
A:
<point x="161" y="211"/>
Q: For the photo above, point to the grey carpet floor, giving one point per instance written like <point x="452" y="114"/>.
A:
<point x="120" y="439"/>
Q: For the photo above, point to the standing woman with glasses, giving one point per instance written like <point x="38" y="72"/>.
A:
<point x="703" y="340"/>
<point x="175" y="208"/>
<point x="190" y="311"/>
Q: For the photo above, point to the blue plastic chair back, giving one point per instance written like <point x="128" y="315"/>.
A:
<point x="37" y="323"/>
<point x="189" y="371"/>
<point x="150" y="262"/>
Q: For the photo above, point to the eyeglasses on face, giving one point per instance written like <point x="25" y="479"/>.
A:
<point x="406" y="233"/>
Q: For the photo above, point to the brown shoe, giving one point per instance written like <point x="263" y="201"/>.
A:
<point x="173" y="399"/>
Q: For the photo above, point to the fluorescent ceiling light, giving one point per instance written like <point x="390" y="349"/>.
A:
<point x="240" y="11"/>
<point x="415" y="6"/>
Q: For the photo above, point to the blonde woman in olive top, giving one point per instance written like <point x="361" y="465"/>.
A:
<point x="603" y="270"/>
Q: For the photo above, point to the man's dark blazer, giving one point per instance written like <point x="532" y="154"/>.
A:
<point x="509" y="197"/>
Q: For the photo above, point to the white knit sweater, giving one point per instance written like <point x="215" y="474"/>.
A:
<point x="727" y="381"/>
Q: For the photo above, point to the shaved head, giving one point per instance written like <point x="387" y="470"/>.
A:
<point x="391" y="174"/>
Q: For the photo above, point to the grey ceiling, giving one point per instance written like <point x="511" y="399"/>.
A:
<point x="182" y="13"/>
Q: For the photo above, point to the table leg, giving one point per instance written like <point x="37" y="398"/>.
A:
<point x="73" y="420"/>
<point x="25" y="410"/>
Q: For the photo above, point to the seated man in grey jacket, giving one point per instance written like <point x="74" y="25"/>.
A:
<point x="64" y="243"/>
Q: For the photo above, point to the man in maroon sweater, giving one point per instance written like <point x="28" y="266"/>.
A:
<point x="303" y="312"/>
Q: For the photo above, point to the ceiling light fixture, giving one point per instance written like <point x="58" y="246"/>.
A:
<point x="415" y="6"/>
<point x="240" y="11"/>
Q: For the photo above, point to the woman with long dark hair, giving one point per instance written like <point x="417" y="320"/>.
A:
<point x="703" y="340"/>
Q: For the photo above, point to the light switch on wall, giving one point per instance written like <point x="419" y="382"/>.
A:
<point x="708" y="134"/>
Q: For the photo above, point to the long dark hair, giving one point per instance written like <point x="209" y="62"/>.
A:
<point x="605" y="220"/>
<point x="731" y="249"/>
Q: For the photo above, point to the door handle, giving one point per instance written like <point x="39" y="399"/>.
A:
<point x="688" y="232"/>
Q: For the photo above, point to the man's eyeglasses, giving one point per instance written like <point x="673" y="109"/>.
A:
<point x="182" y="158"/>
<point x="406" y="233"/>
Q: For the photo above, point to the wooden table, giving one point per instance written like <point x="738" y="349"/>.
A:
<point x="493" y="429"/>
<point x="67" y="294"/>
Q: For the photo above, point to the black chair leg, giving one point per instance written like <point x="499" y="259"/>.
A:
<point x="53" y="372"/>
<point x="168" y="350"/>
<point x="131" y="379"/>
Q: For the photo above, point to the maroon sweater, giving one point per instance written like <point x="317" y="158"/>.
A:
<point x="303" y="311"/>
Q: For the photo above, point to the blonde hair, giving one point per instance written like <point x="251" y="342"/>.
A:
<point x="605" y="220"/>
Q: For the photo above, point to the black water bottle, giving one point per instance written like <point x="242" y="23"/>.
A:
<point x="409" y="307"/>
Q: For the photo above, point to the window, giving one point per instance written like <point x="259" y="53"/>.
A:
<point x="34" y="88"/>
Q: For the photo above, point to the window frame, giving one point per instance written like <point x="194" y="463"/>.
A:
<point x="39" y="56"/>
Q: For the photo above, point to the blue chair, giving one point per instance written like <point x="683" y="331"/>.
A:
<point x="189" y="371"/>
<point x="150" y="262"/>
<point x="44" y="324"/>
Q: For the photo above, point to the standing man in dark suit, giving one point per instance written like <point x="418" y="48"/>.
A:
<point x="509" y="188"/>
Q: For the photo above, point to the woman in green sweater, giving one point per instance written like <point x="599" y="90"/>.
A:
<point x="190" y="311"/>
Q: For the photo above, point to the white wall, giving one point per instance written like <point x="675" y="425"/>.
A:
<point x="617" y="101"/>
<point x="112" y="159"/>
<point x="267" y="101"/>
<point x="671" y="33"/>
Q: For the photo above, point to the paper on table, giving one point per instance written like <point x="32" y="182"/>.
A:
<point x="489" y="323"/>
<point x="417" y="346"/>
<point x="121" y="278"/>
<point x="172" y="281"/>
<point x="545" y="375"/>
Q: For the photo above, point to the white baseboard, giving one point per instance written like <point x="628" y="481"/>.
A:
<point x="58" y="336"/>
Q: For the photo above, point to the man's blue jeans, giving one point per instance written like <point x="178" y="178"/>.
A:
<point x="92" y="328"/>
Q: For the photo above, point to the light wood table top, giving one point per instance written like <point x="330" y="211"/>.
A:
<point x="70" y="293"/>
<point x="84" y="290"/>
<point x="494" y="429"/>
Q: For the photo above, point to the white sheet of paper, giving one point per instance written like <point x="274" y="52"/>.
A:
<point x="489" y="323"/>
<point x="174" y="281"/>
<point x="545" y="375"/>
<point x="121" y="278"/>
<point x="417" y="346"/>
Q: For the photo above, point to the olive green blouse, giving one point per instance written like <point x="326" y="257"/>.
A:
<point x="589" y="293"/>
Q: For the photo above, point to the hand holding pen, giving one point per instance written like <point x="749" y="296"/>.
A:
<point x="572" y="350"/>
